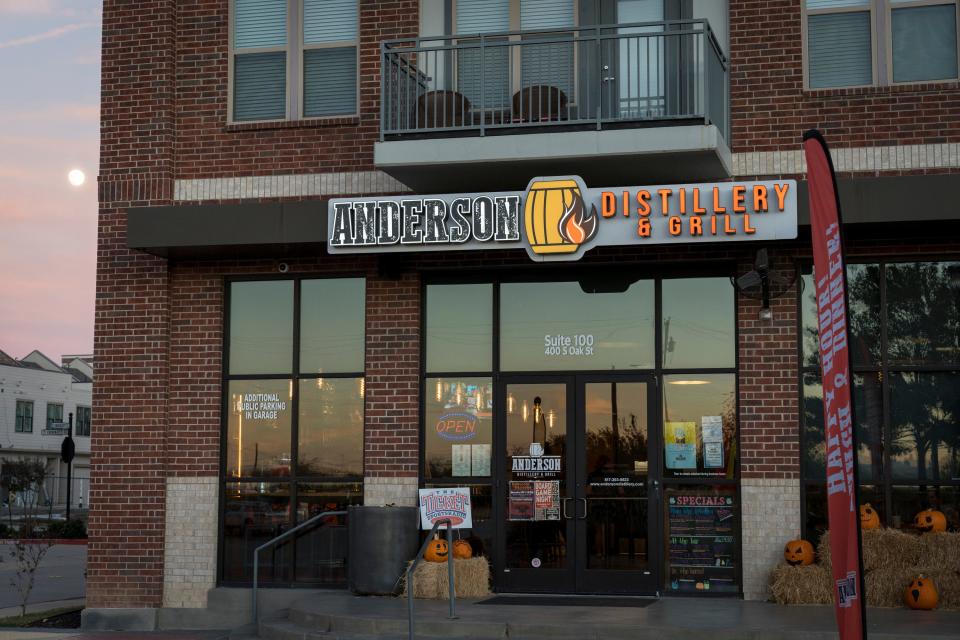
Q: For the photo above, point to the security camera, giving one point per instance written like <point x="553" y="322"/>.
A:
<point x="283" y="267"/>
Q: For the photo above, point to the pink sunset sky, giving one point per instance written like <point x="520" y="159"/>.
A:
<point x="49" y="125"/>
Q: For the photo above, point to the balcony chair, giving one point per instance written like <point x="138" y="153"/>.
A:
<point x="442" y="109"/>
<point x="539" y="103"/>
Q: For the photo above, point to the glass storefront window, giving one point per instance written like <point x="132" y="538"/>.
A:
<point x="459" y="327"/>
<point x="923" y="312"/>
<point x="261" y="327"/>
<point x="815" y="508"/>
<point x="868" y="411"/>
<point x="908" y="501"/>
<point x="863" y="281"/>
<point x="458" y="427"/>
<point x="906" y="355"/>
<point x="258" y="428"/>
<point x="332" y="325"/>
<point x="702" y="546"/>
<point x="699" y="323"/>
<point x="321" y="554"/>
<point x="276" y="455"/>
<point x="331" y="427"/>
<point x="925" y="426"/>
<point x="254" y="513"/>
<point x="700" y="425"/>
<point x="556" y="326"/>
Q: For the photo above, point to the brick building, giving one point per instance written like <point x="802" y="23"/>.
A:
<point x="252" y="372"/>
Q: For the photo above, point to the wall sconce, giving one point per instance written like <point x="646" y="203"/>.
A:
<point x="766" y="313"/>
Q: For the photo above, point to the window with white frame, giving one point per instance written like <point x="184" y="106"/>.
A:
<point x="54" y="414"/>
<point x="880" y="42"/>
<point x="24" y="422"/>
<point x="83" y="421"/>
<point x="293" y="59"/>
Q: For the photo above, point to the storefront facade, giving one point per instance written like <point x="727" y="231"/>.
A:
<point x="329" y="308"/>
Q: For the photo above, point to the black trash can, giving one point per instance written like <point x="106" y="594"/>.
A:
<point x="382" y="541"/>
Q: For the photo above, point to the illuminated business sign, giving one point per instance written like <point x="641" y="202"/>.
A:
<point x="559" y="218"/>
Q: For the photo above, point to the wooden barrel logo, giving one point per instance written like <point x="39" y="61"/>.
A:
<point x="555" y="217"/>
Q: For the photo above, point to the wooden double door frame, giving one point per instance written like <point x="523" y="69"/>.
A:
<point x="586" y="550"/>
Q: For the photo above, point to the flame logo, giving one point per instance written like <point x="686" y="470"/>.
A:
<point x="576" y="225"/>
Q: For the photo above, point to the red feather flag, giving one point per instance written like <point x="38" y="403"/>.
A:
<point x="830" y="278"/>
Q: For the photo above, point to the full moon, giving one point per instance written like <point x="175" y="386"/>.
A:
<point x="76" y="177"/>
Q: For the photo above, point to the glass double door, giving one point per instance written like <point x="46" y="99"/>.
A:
<point x="577" y="485"/>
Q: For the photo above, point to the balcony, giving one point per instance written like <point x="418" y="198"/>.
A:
<point x="616" y="104"/>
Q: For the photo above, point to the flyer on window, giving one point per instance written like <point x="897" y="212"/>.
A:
<point x="711" y="433"/>
<point x="681" y="445"/>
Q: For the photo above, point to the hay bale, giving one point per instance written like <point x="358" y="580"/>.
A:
<point x="940" y="550"/>
<point x="885" y="586"/>
<point x="471" y="576"/>
<point x="882" y="549"/>
<point x="425" y="579"/>
<point x="801" y="585"/>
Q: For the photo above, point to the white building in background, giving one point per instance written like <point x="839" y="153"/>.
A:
<point x="37" y="395"/>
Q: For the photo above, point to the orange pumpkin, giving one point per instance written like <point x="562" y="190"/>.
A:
<point x="798" y="553"/>
<point x="869" y="518"/>
<point x="462" y="549"/>
<point x="437" y="551"/>
<point x="921" y="594"/>
<point x="930" y="520"/>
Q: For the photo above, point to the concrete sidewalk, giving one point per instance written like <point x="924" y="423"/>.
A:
<point x="75" y="634"/>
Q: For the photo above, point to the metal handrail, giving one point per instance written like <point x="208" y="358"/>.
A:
<point x="280" y="538"/>
<point x="416" y="561"/>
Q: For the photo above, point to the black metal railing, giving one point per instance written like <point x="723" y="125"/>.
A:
<point x="312" y="522"/>
<point x="594" y="76"/>
<point x="450" y="578"/>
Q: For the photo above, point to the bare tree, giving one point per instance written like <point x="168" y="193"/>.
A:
<point x="23" y="479"/>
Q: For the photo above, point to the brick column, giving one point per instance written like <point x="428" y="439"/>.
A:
<point x="391" y="433"/>
<point x="769" y="433"/>
<point x="131" y="341"/>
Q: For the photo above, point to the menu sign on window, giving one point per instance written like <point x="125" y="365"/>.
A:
<point x="701" y="542"/>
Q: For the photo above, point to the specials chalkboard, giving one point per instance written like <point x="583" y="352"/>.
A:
<point x="702" y="542"/>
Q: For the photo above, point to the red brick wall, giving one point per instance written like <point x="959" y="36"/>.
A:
<point x="208" y="147"/>
<point x="132" y="332"/>
<point x="771" y="110"/>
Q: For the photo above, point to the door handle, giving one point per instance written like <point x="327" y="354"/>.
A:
<point x="566" y="516"/>
<point x="584" y="517"/>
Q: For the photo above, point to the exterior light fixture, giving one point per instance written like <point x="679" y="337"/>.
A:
<point x="766" y="313"/>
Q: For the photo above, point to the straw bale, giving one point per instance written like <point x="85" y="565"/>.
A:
<point x="801" y="585"/>
<point x="471" y="576"/>
<point x="885" y="587"/>
<point x="882" y="549"/>
<point x="425" y="578"/>
<point x="940" y="550"/>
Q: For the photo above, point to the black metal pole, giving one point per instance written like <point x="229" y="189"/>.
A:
<point x="69" y="465"/>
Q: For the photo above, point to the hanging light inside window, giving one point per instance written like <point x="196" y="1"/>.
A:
<point x="363" y="386"/>
<point x="511" y="403"/>
<point x="526" y="411"/>
<point x="550" y="418"/>
<point x="439" y="389"/>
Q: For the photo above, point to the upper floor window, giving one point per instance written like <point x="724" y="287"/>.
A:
<point x="880" y="42"/>
<point x="293" y="59"/>
<point x="83" y="421"/>
<point x="24" y="422"/>
<point x="54" y="414"/>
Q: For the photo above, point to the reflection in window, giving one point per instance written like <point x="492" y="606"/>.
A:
<point x="331" y="325"/>
<point x="322" y="553"/>
<point x="258" y="428"/>
<point x="923" y="312"/>
<point x="815" y="508"/>
<point x="459" y="327"/>
<point x="699" y="323"/>
<point x="700" y="425"/>
<point x="868" y="411"/>
<point x="331" y="427"/>
<point x="261" y="327"/>
<point x="550" y="326"/>
<point x="458" y="427"/>
<point x="925" y="426"/>
<point x="254" y="513"/>
<point x="863" y="282"/>
<point x="908" y="501"/>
